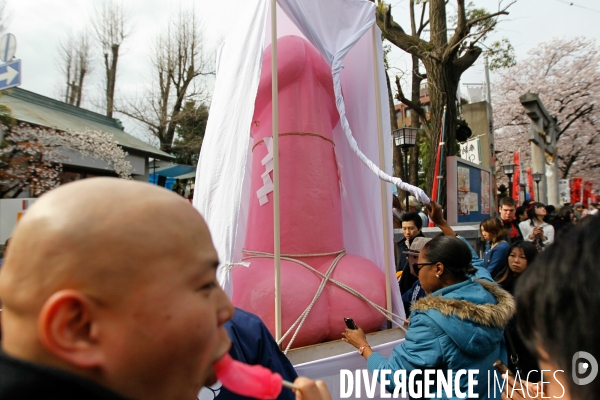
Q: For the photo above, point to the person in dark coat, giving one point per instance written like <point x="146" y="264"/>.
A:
<point x="253" y="344"/>
<point x="519" y="258"/>
<point x="508" y="209"/>
<point x="416" y="291"/>
<point x="558" y="306"/>
<point x="411" y="228"/>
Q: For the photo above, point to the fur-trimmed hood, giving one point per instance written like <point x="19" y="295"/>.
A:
<point x="473" y="313"/>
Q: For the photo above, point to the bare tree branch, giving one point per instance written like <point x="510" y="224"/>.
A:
<point x="112" y="25"/>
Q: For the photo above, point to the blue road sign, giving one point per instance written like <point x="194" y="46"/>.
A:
<point x="10" y="74"/>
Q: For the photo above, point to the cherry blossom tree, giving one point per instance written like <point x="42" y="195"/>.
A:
<point x="30" y="157"/>
<point x="566" y="75"/>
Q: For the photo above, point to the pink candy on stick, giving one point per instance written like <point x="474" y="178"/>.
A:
<point x="248" y="380"/>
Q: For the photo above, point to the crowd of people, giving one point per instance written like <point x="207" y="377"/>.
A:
<point x="518" y="246"/>
<point x="96" y="305"/>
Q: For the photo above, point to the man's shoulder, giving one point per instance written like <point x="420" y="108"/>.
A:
<point x="25" y="380"/>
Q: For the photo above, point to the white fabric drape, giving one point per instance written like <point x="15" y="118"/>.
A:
<point x="342" y="30"/>
<point x="334" y="33"/>
<point x="222" y="168"/>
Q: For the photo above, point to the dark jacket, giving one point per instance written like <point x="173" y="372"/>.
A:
<point x="21" y="380"/>
<point x="527" y="361"/>
<point x="252" y="343"/>
<point x="407" y="280"/>
<point x="513" y="233"/>
<point x="414" y="293"/>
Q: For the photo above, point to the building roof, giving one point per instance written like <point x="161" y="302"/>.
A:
<point x="33" y="108"/>
<point x="175" y="171"/>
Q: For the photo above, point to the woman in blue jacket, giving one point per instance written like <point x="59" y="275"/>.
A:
<point x="459" y="325"/>
<point x="496" y="248"/>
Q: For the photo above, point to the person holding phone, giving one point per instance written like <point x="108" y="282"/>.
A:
<point x="535" y="229"/>
<point x="458" y="325"/>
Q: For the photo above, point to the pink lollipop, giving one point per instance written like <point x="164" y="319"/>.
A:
<point x="248" y="380"/>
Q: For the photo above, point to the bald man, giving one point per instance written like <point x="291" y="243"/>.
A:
<point x="110" y="292"/>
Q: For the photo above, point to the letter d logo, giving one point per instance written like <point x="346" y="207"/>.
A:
<point x="582" y="367"/>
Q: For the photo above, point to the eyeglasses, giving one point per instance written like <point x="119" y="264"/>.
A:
<point x="417" y="266"/>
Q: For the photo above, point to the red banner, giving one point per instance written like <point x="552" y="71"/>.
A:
<point x="530" y="189"/>
<point x="516" y="177"/>
<point x="576" y="186"/>
<point x="587" y="193"/>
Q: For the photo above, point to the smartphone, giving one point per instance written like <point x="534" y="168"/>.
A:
<point x="350" y="323"/>
<point x="502" y="368"/>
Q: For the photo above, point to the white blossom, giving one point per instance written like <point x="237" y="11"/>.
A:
<point x="30" y="156"/>
<point x="566" y="75"/>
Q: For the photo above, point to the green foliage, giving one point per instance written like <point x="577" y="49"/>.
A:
<point x="501" y="54"/>
<point x="190" y="133"/>
<point x="486" y="25"/>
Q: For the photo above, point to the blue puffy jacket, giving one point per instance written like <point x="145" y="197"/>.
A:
<point x="458" y="327"/>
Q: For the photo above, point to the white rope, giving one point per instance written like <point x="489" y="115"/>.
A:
<point x="339" y="101"/>
<point x="326" y="278"/>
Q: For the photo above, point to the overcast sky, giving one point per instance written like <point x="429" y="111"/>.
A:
<point x="39" y="26"/>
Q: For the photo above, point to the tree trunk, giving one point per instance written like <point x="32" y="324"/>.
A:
<point x="111" y="78"/>
<point x="442" y="94"/>
<point x="415" y="121"/>
<point x="397" y="153"/>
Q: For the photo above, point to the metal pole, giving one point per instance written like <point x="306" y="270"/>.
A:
<point x="405" y="150"/>
<point x="510" y="186"/>
<point x="487" y="81"/>
<point x="385" y="209"/>
<point x="537" y="186"/>
<point x="276" y="220"/>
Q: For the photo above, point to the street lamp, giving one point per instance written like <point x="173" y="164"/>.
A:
<point x="509" y="170"/>
<point x="537" y="177"/>
<point x="405" y="138"/>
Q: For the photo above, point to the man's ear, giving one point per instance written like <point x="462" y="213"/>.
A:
<point x="68" y="329"/>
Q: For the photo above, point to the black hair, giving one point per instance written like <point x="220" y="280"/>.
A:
<point x="558" y="301"/>
<point x="531" y="211"/>
<point x="396" y="202"/>
<point x="414" y="217"/>
<point x="530" y="252"/>
<point x="520" y="211"/>
<point x="453" y="253"/>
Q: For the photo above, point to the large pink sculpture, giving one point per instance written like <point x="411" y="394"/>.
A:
<point x="311" y="214"/>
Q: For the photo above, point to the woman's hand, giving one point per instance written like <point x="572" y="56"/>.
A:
<point x="435" y="213"/>
<point x="524" y="388"/>
<point x="356" y="337"/>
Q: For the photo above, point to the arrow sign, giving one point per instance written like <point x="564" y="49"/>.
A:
<point x="10" y="75"/>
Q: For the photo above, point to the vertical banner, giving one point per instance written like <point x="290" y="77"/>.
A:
<point x="530" y="187"/>
<point x="564" y="192"/>
<point x="576" y="190"/>
<point x="587" y="193"/>
<point x="516" y="177"/>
